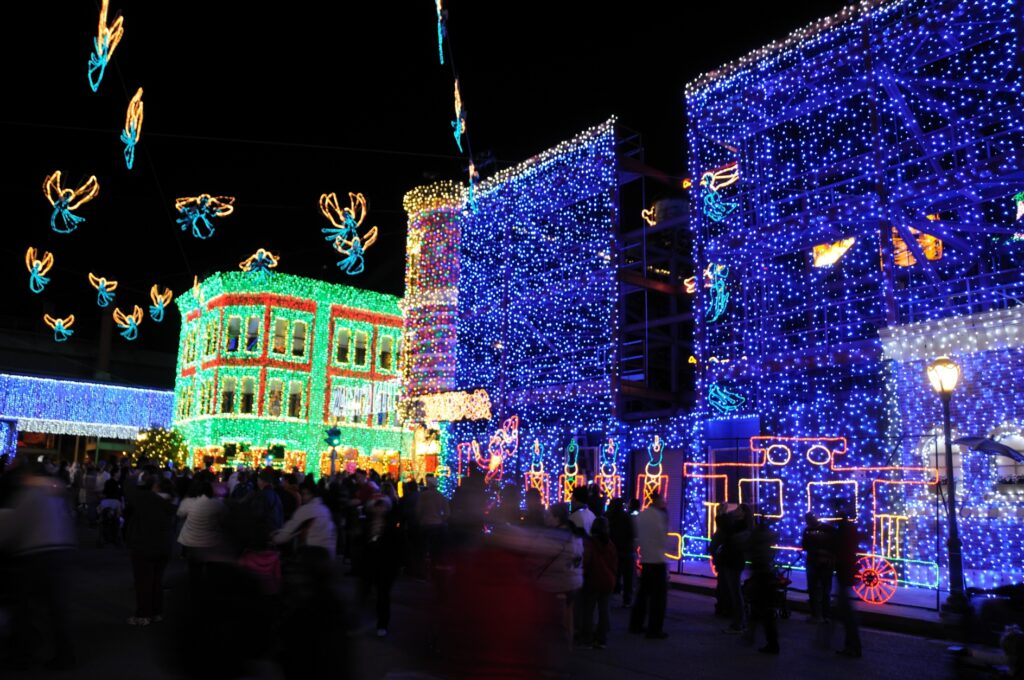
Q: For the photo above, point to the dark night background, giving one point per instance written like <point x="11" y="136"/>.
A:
<point x="278" y="103"/>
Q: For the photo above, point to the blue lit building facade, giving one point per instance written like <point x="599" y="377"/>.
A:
<point x="519" y="298"/>
<point x="853" y="186"/>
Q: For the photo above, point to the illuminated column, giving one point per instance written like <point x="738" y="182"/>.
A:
<point x="431" y="287"/>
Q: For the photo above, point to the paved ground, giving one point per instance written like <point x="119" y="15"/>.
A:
<point x="102" y="598"/>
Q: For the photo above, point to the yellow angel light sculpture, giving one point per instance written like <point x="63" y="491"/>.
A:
<point x="104" y="289"/>
<point x="65" y="200"/>
<point x="107" y="38"/>
<point x="132" y="128"/>
<point x="37" y="268"/>
<point x="129" y="323"/>
<point x="61" y="327"/>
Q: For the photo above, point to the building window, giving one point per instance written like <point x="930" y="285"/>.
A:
<point x="227" y="398"/>
<point x="360" y="358"/>
<point x="248" y="395"/>
<point x="234" y="330"/>
<point x="252" y="334"/>
<point x="298" y="338"/>
<point x="211" y="338"/>
<point x="295" y="399"/>
<point x="344" y="335"/>
<point x="387" y="346"/>
<point x="280" y="336"/>
<point x="276" y="397"/>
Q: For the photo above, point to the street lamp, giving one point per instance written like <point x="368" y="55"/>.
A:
<point x="943" y="374"/>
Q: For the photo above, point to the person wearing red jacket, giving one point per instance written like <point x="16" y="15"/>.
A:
<point x="600" y="564"/>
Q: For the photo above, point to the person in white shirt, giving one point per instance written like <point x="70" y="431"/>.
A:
<point x="312" y="522"/>
<point x="651" y="533"/>
<point x="581" y="514"/>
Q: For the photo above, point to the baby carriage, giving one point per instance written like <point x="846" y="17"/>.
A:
<point x="774" y="594"/>
<point x="110" y="527"/>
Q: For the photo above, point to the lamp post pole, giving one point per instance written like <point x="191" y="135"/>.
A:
<point x="956" y="599"/>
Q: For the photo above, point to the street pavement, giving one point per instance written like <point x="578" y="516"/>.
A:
<point x="101" y="598"/>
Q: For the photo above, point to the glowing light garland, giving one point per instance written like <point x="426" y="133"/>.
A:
<point x="263" y="364"/>
<point x="82" y="408"/>
<point x="37" y="269"/>
<point x="104" y="289"/>
<point x="129" y="323"/>
<point x="65" y="201"/>
<point x="61" y="327"/>
<point x="259" y="263"/>
<point x="448" y="406"/>
<point x="160" y="301"/>
<point x="197" y="211"/>
<point x="132" y="128"/>
<point x="104" y="44"/>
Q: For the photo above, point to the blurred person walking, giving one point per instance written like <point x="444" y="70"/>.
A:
<point x="847" y="543"/>
<point x="652" y="598"/>
<point x="818" y="542"/>
<point x="149" y="535"/>
<point x="600" y="563"/>
<point x="762" y="588"/>
<point x="623" y="535"/>
<point x="37" y="535"/>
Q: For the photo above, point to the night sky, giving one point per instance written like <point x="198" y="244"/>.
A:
<point x="277" y="107"/>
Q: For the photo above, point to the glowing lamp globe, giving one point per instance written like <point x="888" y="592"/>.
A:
<point x="943" y="374"/>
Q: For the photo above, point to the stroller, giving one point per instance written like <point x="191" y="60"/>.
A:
<point x="110" y="522"/>
<point x="780" y="588"/>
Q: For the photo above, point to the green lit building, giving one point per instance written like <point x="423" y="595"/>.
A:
<point x="267" y="363"/>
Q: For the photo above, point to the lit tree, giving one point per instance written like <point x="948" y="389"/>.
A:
<point x="160" y="445"/>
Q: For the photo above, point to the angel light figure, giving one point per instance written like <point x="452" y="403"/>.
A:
<point x="104" y="289"/>
<point x="37" y="268"/>
<point x="160" y="301"/>
<point x="713" y="181"/>
<point x="459" y="124"/>
<point x="259" y="263"/>
<point x="61" y="327"/>
<point x="346" y="221"/>
<point x="129" y="323"/>
<point x="132" y="128"/>
<point x="353" y="250"/>
<point x="724" y="400"/>
<point x="442" y="17"/>
<point x="64" y="201"/>
<point x="107" y="38"/>
<point x="474" y="178"/>
<point x="199" y="210"/>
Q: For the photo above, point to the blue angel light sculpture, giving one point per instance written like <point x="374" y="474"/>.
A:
<point x="259" y="263"/>
<point x="459" y="124"/>
<point x="129" y="323"/>
<point x="104" y="289"/>
<point x="160" y="302"/>
<point x="104" y="44"/>
<point x="714" y="181"/>
<point x="61" y="327"/>
<point x="197" y="211"/>
<point x="353" y="251"/>
<point x="442" y="16"/>
<point x="132" y="128"/>
<point x="37" y="268"/>
<point x="346" y="221"/>
<point x="66" y="201"/>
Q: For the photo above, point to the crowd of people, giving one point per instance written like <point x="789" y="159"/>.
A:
<point x="263" y="548"/>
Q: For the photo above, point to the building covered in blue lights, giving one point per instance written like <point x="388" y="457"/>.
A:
<point x="855" y="193"/>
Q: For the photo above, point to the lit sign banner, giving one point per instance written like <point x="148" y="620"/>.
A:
<point x="450" y="406"/>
